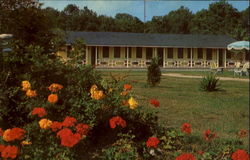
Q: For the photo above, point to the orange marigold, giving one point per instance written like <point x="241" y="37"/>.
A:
<point x="26" y="85"/>
<point x="240" y="155"/>
<point x="55" y="87"/>
<point x="55" y="126"/>
<point x="117" y="121"/>
<point x="13" y="134"/>
<point x="1" y="132"/>
<point x="127" y="87"/>
<point x="39" y="111"/>
<point x="97" y="95"/>
<point x="10" y="152"/>
<point x="31" y="93"/>
<point x="82" y="129"/>
<point x="69" y="121"/>
<point x="124" y="93"/>
<point x="53" y="98"/>
<point x="45" y="123"/>
<point x="68" y="139"/>
<point x="186" y="156"/>
<point x="2" y="147"/>
<point x="152" y="142"/>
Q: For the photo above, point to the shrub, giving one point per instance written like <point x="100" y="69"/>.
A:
<point x="154" y="73"/>
<point x="210" y="83"/>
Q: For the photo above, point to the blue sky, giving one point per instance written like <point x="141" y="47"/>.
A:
<point x="136" y="7"/>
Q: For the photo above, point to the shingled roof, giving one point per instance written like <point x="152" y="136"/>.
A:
<point x="150" y="40"/>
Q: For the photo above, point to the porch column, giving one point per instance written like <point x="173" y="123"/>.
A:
<point x="87" y="55"/>
<point x="225" y="58"/>
<point x="191" y="56"/>
<point x="217" y="57"/>
<point x="127" y="55"/>
<point x="96" y="49"/>
<point x="164" y="52"/>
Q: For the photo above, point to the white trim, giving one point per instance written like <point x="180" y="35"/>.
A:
<point x="87" y="55"/>
<point x="96" y="49"/>
<point x="154" y="46"/>
<point x="225" y="58"/>
<point x="128" y="55"/>
<point x="217" y="57"/>
<point x="164" y="52"/>
<point x="191" y="56"/>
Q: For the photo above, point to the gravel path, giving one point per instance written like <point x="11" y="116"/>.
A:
<point x="188" y="76"/>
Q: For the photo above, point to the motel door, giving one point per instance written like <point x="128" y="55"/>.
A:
<point x="221" y="58"/>
<point x="93" y="56"/>
<point x="160" y="56"/>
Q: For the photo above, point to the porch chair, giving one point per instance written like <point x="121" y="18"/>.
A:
<point x="243" y="70"/>
<point x="213" y="67"/>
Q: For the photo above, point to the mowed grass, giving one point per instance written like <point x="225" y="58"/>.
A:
<point x="225" y="112"/>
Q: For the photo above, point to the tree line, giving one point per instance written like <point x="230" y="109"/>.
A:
<point x="31" y="23"/>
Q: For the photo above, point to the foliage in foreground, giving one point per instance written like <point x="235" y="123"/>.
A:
<point x="63" y="111"/>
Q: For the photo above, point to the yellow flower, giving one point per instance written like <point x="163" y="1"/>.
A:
<point x="31" y="93"/>
<point x="6" y="135"/>
<point x="45" y="123"/>
<point x="93" y="88"/>
<point x="132" y="103"/>
<point x="26" y="143"/>
<point x="97" y="95"/>
<point x="26" y="85"/>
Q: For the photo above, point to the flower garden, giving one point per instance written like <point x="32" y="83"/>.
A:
<point x="56" y="111"/>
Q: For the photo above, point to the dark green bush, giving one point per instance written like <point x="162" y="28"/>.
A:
<point x="210" y="83"/>
<point x="154" y="73"/>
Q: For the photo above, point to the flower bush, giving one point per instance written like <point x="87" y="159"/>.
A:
<point x="52" y="110"/>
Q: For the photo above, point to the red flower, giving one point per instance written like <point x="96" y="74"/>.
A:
<point x="68" y="139"/>
<point x="152" y="142"/>
<point x="240" y="155"/>
<point x="186" y="156"/>
<point x="242" y="133"/>
<point x="200" y="152"/>
<point x="155" y="102"/>
<point x="55" y="126"/>
<point x="127" y="87"/>
<point x="69" y="121"/>
<point x="39" y="111"/>
<point x="1" y="132"/>
<point x="186" y="128"/>
<point x="82" y="129"/>
<point x="2" y="147"/>
<point x="13" y="134"/>
<point x="117" y="121"/>
<point x="10" y="152"/>
<point x="208" y="135"/>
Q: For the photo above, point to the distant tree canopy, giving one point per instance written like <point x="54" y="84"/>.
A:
<point x="32" y="24"/>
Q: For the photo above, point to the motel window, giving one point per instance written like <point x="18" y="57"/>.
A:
<point x="229" y="55"/>
<point x="189" y="53"/>
<point x="117" y="52"/>
<point x="200" y="53"/>
<point x="180" y="53"/>
<point x="170" y="53"/>
<point x="138" y="52"/>
<point x="105" y="52"/>
<point x="209" y="54"/>
<point x="149" y="53"/>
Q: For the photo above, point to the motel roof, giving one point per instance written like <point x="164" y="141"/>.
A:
<point x="125" y="39"/>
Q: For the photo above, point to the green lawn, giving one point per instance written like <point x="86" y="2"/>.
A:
<point x="226" y="112"/>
